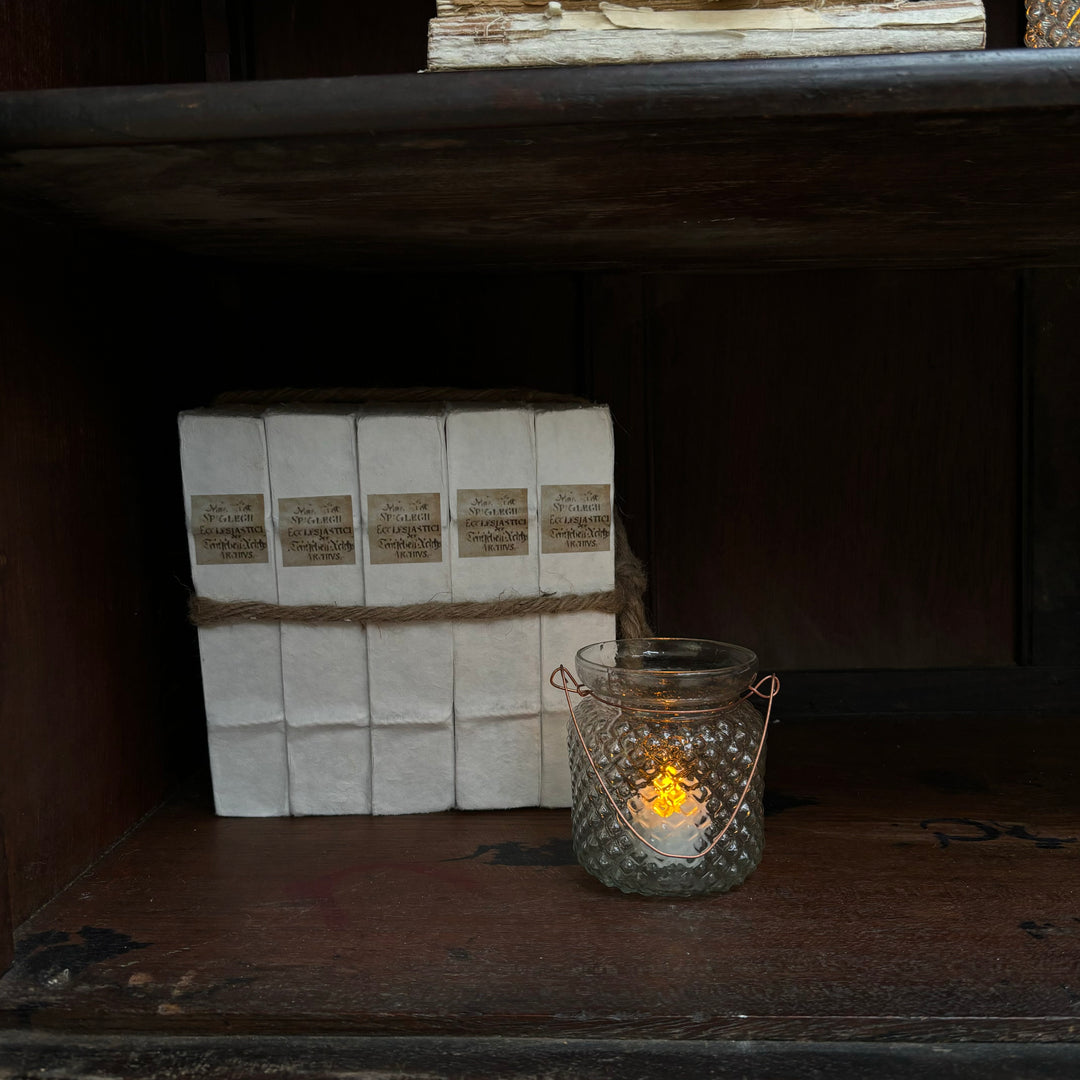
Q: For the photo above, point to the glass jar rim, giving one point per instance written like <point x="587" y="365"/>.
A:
<point x="727" y="660"/>
<point x="666" y="673"/>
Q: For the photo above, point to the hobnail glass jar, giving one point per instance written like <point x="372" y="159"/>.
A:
<point x="680" y="752"/>
<point x="1053" y="24"/>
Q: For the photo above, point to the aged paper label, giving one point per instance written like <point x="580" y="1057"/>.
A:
<point x="229" y="529"/>
<point x="492" y="521"/>
<point x="405" y="528"/>
<point x="575" y="518"/>
<point x="317" y="531"/>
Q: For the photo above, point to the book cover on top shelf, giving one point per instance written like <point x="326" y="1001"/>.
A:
<point x="490" y="36"/>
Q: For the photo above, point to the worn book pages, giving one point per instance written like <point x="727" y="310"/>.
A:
<point x="493" y="543"/>
<point x="313" y="480"/>
<point x="446" y="8"/>
<point x="227" y="501"/>
<point x="621" y="35"/>
<point x="575" y="462"/>
<point x="402" y="459"/>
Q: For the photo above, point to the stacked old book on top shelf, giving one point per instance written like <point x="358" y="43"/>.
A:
<point x="535" y="33"/>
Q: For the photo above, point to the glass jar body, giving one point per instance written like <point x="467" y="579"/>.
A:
<point x="675" y="746"/>
<point x="1053" y="24"/>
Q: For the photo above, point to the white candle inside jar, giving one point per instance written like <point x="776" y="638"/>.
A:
<point x="666" y="814"/>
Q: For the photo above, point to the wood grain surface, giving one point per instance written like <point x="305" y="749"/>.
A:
<point x="7" y="950"/>
<point x="919" y="883"/>
<point x="54" y="43"/>
<point x="1052" y="468"/>
<point x="738" y="165"/>
<point x="667" y="195"/>
<point x="345" y="1057"/>
<point x="835" y="463"/>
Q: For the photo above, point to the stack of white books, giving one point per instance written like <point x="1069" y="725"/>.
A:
<point x="387" y="506"/>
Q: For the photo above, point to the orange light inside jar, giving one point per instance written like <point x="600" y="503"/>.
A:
<point x="670" y="794"/>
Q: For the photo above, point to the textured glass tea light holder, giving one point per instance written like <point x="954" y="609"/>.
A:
<point x="1053" y="24"/>
<point x="667" y="758"/>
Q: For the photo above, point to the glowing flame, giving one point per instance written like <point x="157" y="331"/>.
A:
<point x="670" y="794"/>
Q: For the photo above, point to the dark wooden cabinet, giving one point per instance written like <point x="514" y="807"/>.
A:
<point x="831" y="304"/>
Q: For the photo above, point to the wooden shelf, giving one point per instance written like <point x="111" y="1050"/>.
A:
<point x="915" y="914"/>
<point x="937" y="159"/>
<point x="918" y="885"/>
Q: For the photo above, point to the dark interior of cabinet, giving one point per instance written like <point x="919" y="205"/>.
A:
<point x="869" y="475"/>
<point x="829" y="467"/>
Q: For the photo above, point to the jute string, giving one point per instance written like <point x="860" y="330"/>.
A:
<point x="625" y="601"/>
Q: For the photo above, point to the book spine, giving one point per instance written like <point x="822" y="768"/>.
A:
<point x="492" y="473"/>
<point x="402" y="460"/>
<point x="494" y="8"/>
<point x="227" y="503"/>
<point x="575" y="461"/>
<point x="313" y="480"/>
<point x="621" y="36"/>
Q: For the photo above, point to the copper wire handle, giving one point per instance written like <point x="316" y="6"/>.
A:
<point x="584" y="691"/>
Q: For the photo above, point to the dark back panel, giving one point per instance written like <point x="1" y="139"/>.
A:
<point x="835" y="465"/>
<point x="1052" y="474"/>
<point x="49" y="43"/>
<point x="338" y="37"/>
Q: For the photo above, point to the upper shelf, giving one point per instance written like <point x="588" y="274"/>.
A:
<point x="916" y="160"/>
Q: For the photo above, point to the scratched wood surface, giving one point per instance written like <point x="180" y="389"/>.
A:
<point x="919" y="883"/>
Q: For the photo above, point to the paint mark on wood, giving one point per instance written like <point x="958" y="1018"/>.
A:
<point x="969" y="831"/>
<point x="53" y="957"/>
<point x="776" y="802"/>
<point x="555" y="852"/>
<point x="1041" y="931"/>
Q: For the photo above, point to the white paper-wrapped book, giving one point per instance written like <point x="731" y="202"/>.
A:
<point x="402" y="457"/>
<point x="522" y="34"/>
<point x="227" y="500"/>
<point x="575" y="462"/>
<point x="491" y="454"/>
<point x="313" y="480"/>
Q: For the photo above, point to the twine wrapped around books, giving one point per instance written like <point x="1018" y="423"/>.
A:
<point x="625" y="601"/>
